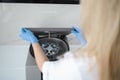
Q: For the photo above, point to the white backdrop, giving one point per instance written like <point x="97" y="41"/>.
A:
<point x="15" y="16"/>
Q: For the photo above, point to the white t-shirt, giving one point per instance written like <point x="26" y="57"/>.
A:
<point x="70" y="68"/>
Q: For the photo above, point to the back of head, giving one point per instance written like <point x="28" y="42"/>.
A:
<point x="101" y="24"/>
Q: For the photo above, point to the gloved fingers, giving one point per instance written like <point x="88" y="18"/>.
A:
<point x="24" y="37"/>
<point x="24" y="30"/>
<point x="73" y="31"/>
<point x="79" y="34"/>
<point x="76" y="29"/>
<point x="28" y="35"/>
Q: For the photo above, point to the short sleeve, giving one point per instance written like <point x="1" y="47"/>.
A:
<point x="64" y="69"/>
<point x="47" y="70"/>
<point x="70" y="68"/>
<point x="88" y="68"/>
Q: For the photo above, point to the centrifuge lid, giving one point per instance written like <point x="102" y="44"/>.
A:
<point x="44" y="31"/>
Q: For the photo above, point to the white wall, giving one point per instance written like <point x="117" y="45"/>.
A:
<point x="13" y="50"/>
<point x="15" y="16"/>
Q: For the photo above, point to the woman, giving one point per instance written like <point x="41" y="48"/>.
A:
<point x="100" y="58"/>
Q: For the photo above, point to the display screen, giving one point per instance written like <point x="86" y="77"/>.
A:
<point x="42" y="1"/>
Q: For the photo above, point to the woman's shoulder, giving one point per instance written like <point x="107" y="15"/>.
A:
<point x="86" y="65"/>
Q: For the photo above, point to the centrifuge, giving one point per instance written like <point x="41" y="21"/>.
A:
<point x="54" y="43"/>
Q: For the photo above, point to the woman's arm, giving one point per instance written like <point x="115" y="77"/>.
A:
<point x="40" y="56"/>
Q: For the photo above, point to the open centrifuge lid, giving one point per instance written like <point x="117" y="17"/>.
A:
<point x="45" y="31"/>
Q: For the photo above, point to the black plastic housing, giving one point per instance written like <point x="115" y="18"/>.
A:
<point x="56" y="36"/>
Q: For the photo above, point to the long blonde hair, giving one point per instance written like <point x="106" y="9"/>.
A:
<point x="100" y="20"/>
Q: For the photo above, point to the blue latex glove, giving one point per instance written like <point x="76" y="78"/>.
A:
<point x="80" y="36"/>
<point x="28" y="36"/>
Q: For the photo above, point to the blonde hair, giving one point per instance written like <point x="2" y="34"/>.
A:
<point x="100" y="20"/>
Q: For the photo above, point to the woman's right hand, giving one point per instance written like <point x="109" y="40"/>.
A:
<point x="80" y="36"/>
